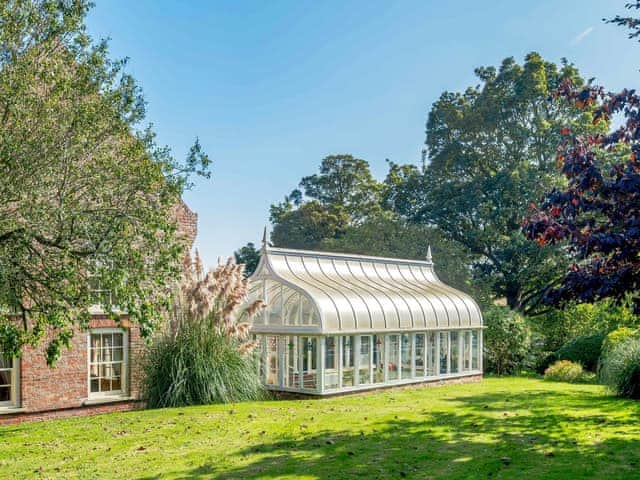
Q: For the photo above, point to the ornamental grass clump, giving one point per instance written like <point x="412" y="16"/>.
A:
<point x="205" y="355"/>
<point x="620" y="369"/>
<point x="565" y="371"/>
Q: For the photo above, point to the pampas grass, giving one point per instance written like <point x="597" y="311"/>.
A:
<point x="205" y="354"/>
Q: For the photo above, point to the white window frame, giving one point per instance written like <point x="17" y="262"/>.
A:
<point x="15" y="388"/>
<point x="124" y="372"/>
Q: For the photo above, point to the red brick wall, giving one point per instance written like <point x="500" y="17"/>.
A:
<point x="65" y="386"/>
<point x="187" y="223"/>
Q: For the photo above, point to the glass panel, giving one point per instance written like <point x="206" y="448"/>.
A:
<point x="455" y="351"/>
<point x="256" y="292"/>
<point x="117" y="354"/>
<point x="6" y="362"/>
<point x="466" y="354"/>
<point x="272" y="360"/>
<point x="105" y="384"/>
<point x="274" y="303"/>
<point x="432" y="354"/>
<point x="348" y="362"/>
<point x="5" y="394"/>
<point x="365" y="360"/>
<point x="444" y="353"/>
<point x="475" y="347"/>
<point x="421" y="360"/>
<point x="95" y="385"/>
<point x="5" y="377"/>
<point x="309" y="349"/>
<point x="117" y="339"/>
<point x="292" y="377"/>
<point x="378" y="358"/>
<point x="116" y="384"/>
<point x="330" y="366"/>
<point x="291" y="306"/>
<point x="405" y="356"/>
<point x="393" y="365"/>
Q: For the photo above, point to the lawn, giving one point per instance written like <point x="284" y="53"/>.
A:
<point x="500" y="428"/>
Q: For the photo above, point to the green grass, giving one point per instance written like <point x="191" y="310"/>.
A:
<point x="547" y="430"/>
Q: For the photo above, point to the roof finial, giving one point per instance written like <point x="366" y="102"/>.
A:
<point x="429" y="257"/>
<point x="264" y="239"/>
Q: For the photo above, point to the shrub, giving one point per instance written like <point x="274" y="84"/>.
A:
<point x="507" y="340"/>
<point x="564" y="371"/>
<point x="204" y="356"/>
<point x="620" y="370"/>
<point x="199" y="366"/>
<point x="615" y="338"/>
<point x="584" y="350"/>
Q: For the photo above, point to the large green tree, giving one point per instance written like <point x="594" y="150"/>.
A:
<point x="343" y="193"/>
<point x="86" y="197"/>
<point x="491" y="152"/>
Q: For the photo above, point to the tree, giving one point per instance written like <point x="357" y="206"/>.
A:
<point x="343" y="193"/>
<point x="596" y="217"/>
<point x="86" y="198"/>
<point x="507" y="340"/>
<point x="632" y="23"/>
<point x="249" y="256"/>
<point x="491" y="151"/>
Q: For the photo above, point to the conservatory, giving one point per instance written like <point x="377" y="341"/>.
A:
<point x="336" y="323"/>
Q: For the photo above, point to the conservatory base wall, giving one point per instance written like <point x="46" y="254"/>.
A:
<point x="430" y="382"/>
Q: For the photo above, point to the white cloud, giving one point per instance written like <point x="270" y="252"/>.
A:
<point x="581" y="36"/>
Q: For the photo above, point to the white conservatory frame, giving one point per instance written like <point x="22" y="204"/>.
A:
<point x="337" y="323"/>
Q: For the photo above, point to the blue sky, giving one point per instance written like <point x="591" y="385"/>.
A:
<point x="272" y="87"/>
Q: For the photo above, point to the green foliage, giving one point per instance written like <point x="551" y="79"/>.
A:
<point x="616" y="337"/>
<point x="492" y="151"/>
<point x="87" y="195"/>
<point x="620" y="370"/>
<point x="584" y="350"/>
<point x="343" y="193"/>
<point x="307" y="226"/>
<point x="564" y="371"/>
<point x="249" y="256"/>
<point x="196" y="366"/>
<point x="557" y="327"/>
<point x="507" y="340"/>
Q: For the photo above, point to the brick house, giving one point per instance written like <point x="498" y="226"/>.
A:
<point x="98" y="374"/>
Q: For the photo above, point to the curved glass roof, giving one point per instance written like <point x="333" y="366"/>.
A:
<point x="355" y="293"/>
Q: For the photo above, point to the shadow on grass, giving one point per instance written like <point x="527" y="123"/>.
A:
<point x="498" y="435"/>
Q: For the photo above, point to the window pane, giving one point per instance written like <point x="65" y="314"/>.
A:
<point x="467" y="352"/>
<point x="274" y="303"/>
<point x="116" y="384"/>
<point x="406" y="356"/>
<point x="444" y="353"/>
<point x="117" y="354"/>
<point x="272" y="360"/>
<point x="455" y="351"/>
<point x="292" y="378"/>
<point x="393" y="365"/>
<point x="5" y="394"/>
<point x="348" y="356"/>
<point x="330" y="370"/>
<point x="117" y="339"/>
<point x="5" y="377"/>
<point x="95" y="385"/>
<point x="378" y="358"/>
<point x="432" y="354"/>
<point x="420" y="355"/>
<point x="309" y="347"/>
<point x="365" y="359"/>
<point x="475" y="350"/>
<point x="6" y="362"/>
